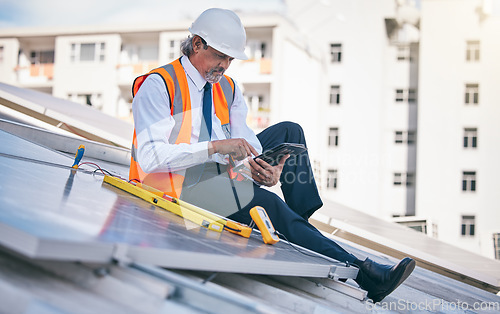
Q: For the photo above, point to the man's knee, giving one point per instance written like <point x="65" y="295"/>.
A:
<point x="294" y="131"/>
<point x="290" y="126"/>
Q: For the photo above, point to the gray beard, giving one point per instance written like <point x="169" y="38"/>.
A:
<point x="213" y="78"/>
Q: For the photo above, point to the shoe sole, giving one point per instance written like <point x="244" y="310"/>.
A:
<point x="409" y="266"/>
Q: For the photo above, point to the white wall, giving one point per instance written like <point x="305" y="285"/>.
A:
<point x="9" y="63"/>
<point x="91" y="76"/>
<point x="366" y="157"/>
<point x="441" y="158"/>
<point x="296" y="86"/>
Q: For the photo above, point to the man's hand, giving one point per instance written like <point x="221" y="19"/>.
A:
<point x="264" y="173"/>
<point x="239" y="148"/>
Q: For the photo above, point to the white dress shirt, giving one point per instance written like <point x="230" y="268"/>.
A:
<point x="154" y="123"/>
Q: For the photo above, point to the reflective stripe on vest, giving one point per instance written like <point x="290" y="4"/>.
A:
<point x="180" y="108"/>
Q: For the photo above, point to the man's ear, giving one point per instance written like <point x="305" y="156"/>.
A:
<point x="197" y="44"/>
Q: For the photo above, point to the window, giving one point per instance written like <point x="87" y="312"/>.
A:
<point x="410" y="179"/>
<point x="410" y="137"/>
<point x="336" y="53"/>
<point x="334" y="95"/>
<point x="404" y="137"/>
<point x="1" y="54"/>
<point x="399" y="139"/>
<point x="147" y="52"/>
<point x="418" y="225"/>
<point x="262" y="49"/>
<point x="333" y="137"/>
<point x="257" y="102"/>
<point x="406" y="95"/>
<point x="496" y="244"/>
<point x="421" y="225"/>
<point x="468" y="225"/>
<point x="92" y="100"/>
<point x="398" y="178"/>
<point x="261" y="105"/>
<point x="470" y="137"/>
<point x="472" y="51"/>
<point x="412" y="95"/>
<point x="469" y="181"/>
<point x="256" y="49"/>
<point x="407" y="179"/>
<point x="471" y="94"/>
<point x="331" y="179"/>
<point x="87" y="52"/>
<point x="174" y="49"/>
<point x="403" y="53"/>
<point x="42" y="57"/>
<point x="399" y="95"/>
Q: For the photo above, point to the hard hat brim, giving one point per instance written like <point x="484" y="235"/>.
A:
<point x="229" y="52"/>
<point x="234" y="54"/>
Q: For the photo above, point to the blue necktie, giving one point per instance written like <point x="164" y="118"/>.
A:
<point x="193" y="174"/>
<point x="206" y="124"/>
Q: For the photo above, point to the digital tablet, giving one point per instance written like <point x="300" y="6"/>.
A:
<point x="273" y="156"/>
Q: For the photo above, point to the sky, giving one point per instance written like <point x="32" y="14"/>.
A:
<point x="29" y="13"/>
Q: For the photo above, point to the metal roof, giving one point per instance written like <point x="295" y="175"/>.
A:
<point x="76" y="118"/>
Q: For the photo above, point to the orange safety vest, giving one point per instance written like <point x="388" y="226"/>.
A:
<point x="180" y="108"/>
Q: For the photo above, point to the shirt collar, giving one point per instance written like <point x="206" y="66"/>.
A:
<point x="195" y="76"/>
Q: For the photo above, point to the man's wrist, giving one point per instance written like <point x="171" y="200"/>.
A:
<point x="212" y="149"/>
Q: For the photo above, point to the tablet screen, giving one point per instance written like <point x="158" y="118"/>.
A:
<point x="274" y="155"/>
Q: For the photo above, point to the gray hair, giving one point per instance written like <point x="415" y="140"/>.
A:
<point x="187" y="46"/>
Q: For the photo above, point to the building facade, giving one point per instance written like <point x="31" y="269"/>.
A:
<point x="459" y="135"/>
<point x="369" y="77"/>
<point x="96" y="66"/>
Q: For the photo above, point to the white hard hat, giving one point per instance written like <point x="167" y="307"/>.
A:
<point x="223" y="31"/>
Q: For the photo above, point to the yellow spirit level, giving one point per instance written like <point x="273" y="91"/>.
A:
<point x="188" y="211"/>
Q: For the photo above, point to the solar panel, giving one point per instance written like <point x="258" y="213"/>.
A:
<point x="58" y="111"/>
<point x="14" y="146"/>
<point x="51" y="211"/>
<point x="397" y="240"/>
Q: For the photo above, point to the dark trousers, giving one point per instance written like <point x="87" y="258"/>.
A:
<point x="233" y="199"/>
<point x="297" y="179"/>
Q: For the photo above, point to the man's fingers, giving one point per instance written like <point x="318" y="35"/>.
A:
<point x="249" y="150"/>
<point x="264" y="173"/>
<point x="283" y="160"/>
<point x="257" y="164"/>
<point x="240" y="152"/>
<point x="262" y="168"/>
<point x="240" y="148"/>
<point x="252" y="151"/>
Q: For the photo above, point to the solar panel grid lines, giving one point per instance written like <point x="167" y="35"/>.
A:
<point x="71" y="215"/>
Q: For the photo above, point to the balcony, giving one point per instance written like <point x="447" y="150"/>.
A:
<point x="128" y="72"/>
<point x="259" y="119"/>
<point x="253" y="70"/>
<point x="42" y="74"/>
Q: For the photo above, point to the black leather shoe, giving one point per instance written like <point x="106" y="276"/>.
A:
<point x="380" y="280"/>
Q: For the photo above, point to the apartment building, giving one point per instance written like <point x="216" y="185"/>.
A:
<point x="369" y="57"/>
<point x="459" y="134"/>
<point x="96" y="66"/>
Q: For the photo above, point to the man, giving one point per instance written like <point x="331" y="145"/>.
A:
<point x="190" y="124"/>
